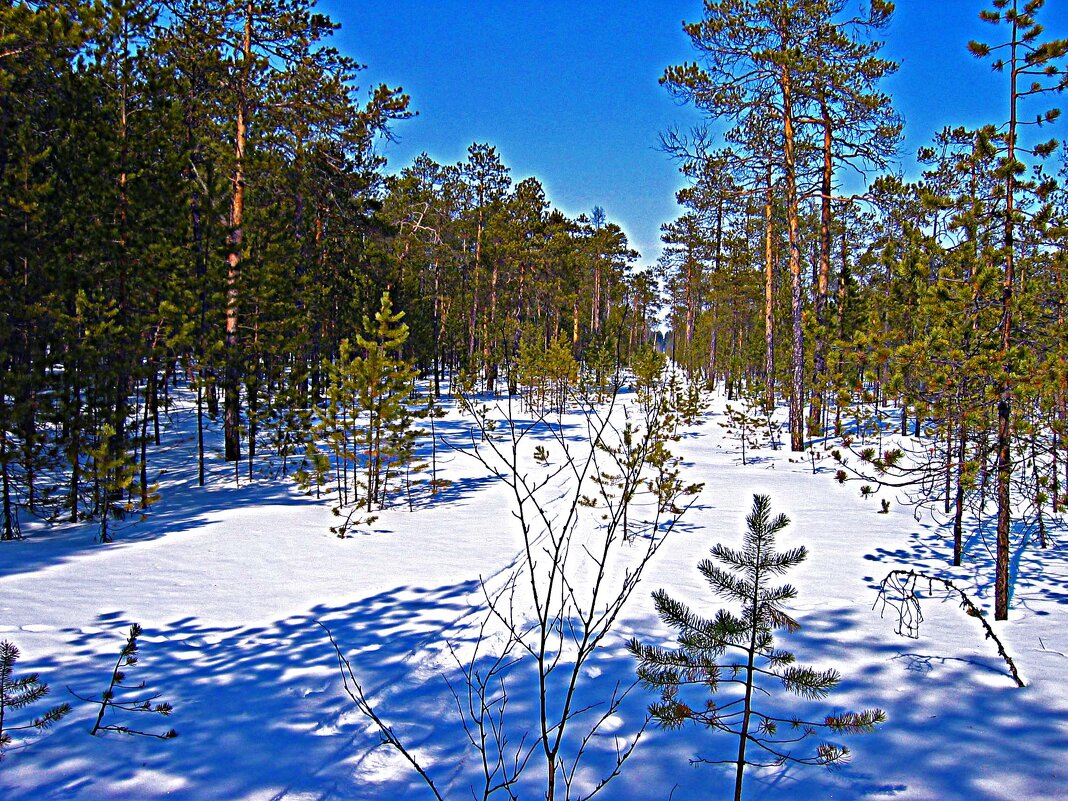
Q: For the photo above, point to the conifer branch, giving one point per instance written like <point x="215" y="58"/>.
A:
<point x="109" y="699"/>
<point x="17" y="694"/>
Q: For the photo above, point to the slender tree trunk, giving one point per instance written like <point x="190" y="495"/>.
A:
<point x="144" y="441"/>
<point x="120" y="357"/>
<point x="439" y="356"/>
<point x="819" y="358"/>
<point x="489" y="343"/>
<point x="200" y="272"/>
<point x="595" y="301"/>
<point x="1061" y="418"/>
<point x="750" y="678"/>
<point x="28" y="426"/>
<point x="692" y="277"/>
<point x="769" y="297"/>
<point x="958" y="504"/>
<point x="9" y="511"/>
<point x="575" y="325"/>
<point x="316" y="381"/>
<point x="1005" y="388"/>
<point x="232" y="399"/>
<point x="797" y="355"/>
<point x="200" y="432"/>
<point x="74" y="449"/>
<point x="1038" y="499"/>
<point x="476" y="278"/>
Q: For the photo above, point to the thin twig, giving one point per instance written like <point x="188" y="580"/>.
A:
<point x="909" y="617"/>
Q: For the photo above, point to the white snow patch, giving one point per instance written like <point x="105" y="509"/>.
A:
<point x="229" y="583"/>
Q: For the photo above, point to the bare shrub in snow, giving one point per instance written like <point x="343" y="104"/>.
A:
<point x="590" y="521"/>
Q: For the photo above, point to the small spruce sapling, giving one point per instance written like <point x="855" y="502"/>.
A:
<point x="732" y="650"/>
<point x="691" y="403"/>
<point x="753" y="420"/>
<point x="113" y="475"/>
<point x="434" y="412"/>
<point x="16" y="694"/>
<point x="108" y="699"/>
<point x="754" y="395"/>
<point x="314" y="471"/>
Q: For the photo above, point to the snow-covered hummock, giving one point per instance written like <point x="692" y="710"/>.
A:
<point x="229" y="581"/>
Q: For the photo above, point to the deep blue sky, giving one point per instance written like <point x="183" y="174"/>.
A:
<point x="567" y="89"/>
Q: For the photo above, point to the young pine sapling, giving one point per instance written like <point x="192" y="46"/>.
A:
<point x="109" y="699"/>
<point x="736" y="651"/>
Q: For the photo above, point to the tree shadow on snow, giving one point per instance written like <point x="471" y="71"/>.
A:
<point x="261" y="711"/>
<point x="1035" y="574"/>
<point x="182" y="507"/>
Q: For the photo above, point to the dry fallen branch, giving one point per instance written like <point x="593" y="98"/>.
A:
<point x="898" y="591"/>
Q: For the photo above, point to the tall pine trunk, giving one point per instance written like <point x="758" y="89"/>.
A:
<point x="769" y="298"/>
<point x="797" y="351"/>
<point x="232" y="397"/>
<point x="819" y="358"/>
<point x="1003" y="446"/>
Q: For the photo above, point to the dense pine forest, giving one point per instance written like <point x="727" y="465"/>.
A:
<point x="193" y="195"/>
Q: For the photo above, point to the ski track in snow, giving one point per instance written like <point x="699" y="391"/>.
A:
<point x="230" y="583"/>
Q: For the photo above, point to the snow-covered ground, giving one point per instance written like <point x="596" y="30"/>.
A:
<point x="229" y="583"/>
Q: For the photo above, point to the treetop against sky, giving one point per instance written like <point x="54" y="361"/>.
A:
<point x="569" y="92"/>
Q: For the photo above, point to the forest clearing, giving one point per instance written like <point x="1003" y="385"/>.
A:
<point x="322" y="477"/>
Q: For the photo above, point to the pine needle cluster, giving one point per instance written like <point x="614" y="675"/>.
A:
<point x="17" y="694"/>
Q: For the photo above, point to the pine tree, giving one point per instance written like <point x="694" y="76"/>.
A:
<point x="751" y="54"/>
<point x="737" y="650"/>
<point x="743" y="422"/>
<point x="1026" y="59"/>
<point x="778" y="70"/>
<point x="688" y="251"/>
<point x="383" y="382"/>
<point x="486" y="182"/>
<point x="112" y="475"/>
<point x="314" y="470"/>
<point x="337" y="419"/>
<point x="857" y="127"/>
<point x="116" y="696"/>
<point x="16" y="694"/>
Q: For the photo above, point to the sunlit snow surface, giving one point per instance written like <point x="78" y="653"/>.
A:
<point x="229" y="582"/>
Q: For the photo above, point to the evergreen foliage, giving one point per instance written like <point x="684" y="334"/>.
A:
<point x="752" y="422"/>
<point x="18" y="693"/>
<point x="384" y="387"/>
<point x="113" y="699"/>
<point x="194" y="189"/>
<point x="735" y="652"/>
<point x="927" y="313"/>
<point x="368" y="420"/>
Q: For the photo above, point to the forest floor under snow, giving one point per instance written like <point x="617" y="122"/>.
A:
<point x="230" y="580"/>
